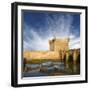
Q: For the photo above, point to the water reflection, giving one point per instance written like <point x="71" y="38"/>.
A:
<point x="50" y="68"/>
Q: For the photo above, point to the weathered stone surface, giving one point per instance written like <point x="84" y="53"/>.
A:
<point x="59" y="44"/>
<point x="41" y="55"/>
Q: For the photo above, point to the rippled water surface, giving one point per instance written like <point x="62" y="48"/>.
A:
<point x="51" y="69"/>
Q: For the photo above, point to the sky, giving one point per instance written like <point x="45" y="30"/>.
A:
<point x="41" y="26"/>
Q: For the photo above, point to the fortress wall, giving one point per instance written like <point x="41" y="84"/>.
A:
<point x="41" y="55"/>
<point x="51" y="55"/>
<point x="59" y="49"/>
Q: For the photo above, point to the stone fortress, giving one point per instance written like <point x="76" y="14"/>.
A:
<point x="59" y="50"/>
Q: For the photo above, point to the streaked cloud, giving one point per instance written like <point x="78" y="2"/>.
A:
<point x="59" y="26"/>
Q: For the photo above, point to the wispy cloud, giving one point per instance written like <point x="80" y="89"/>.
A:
<point x="59" y="26"/>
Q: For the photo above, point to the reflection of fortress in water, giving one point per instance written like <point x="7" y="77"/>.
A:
<point x="59" y="50"/>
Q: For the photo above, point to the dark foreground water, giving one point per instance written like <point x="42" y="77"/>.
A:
<point x="51" y="69"/>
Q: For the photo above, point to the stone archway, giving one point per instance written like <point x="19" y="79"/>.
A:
<point x="78" y="59"/>
<point x="70" y="58"/>
<point x="64" y="58"/>
<point x="24" y="64"/>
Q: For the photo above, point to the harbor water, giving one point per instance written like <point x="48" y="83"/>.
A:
<point x="50" y="68"/>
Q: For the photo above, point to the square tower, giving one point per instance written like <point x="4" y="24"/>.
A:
<point x="59" y="44"/>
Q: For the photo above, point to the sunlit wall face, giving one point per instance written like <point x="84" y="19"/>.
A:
<point x="40" y="26"/>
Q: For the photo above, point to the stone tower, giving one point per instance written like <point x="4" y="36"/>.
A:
<point x="59" y="44"/>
